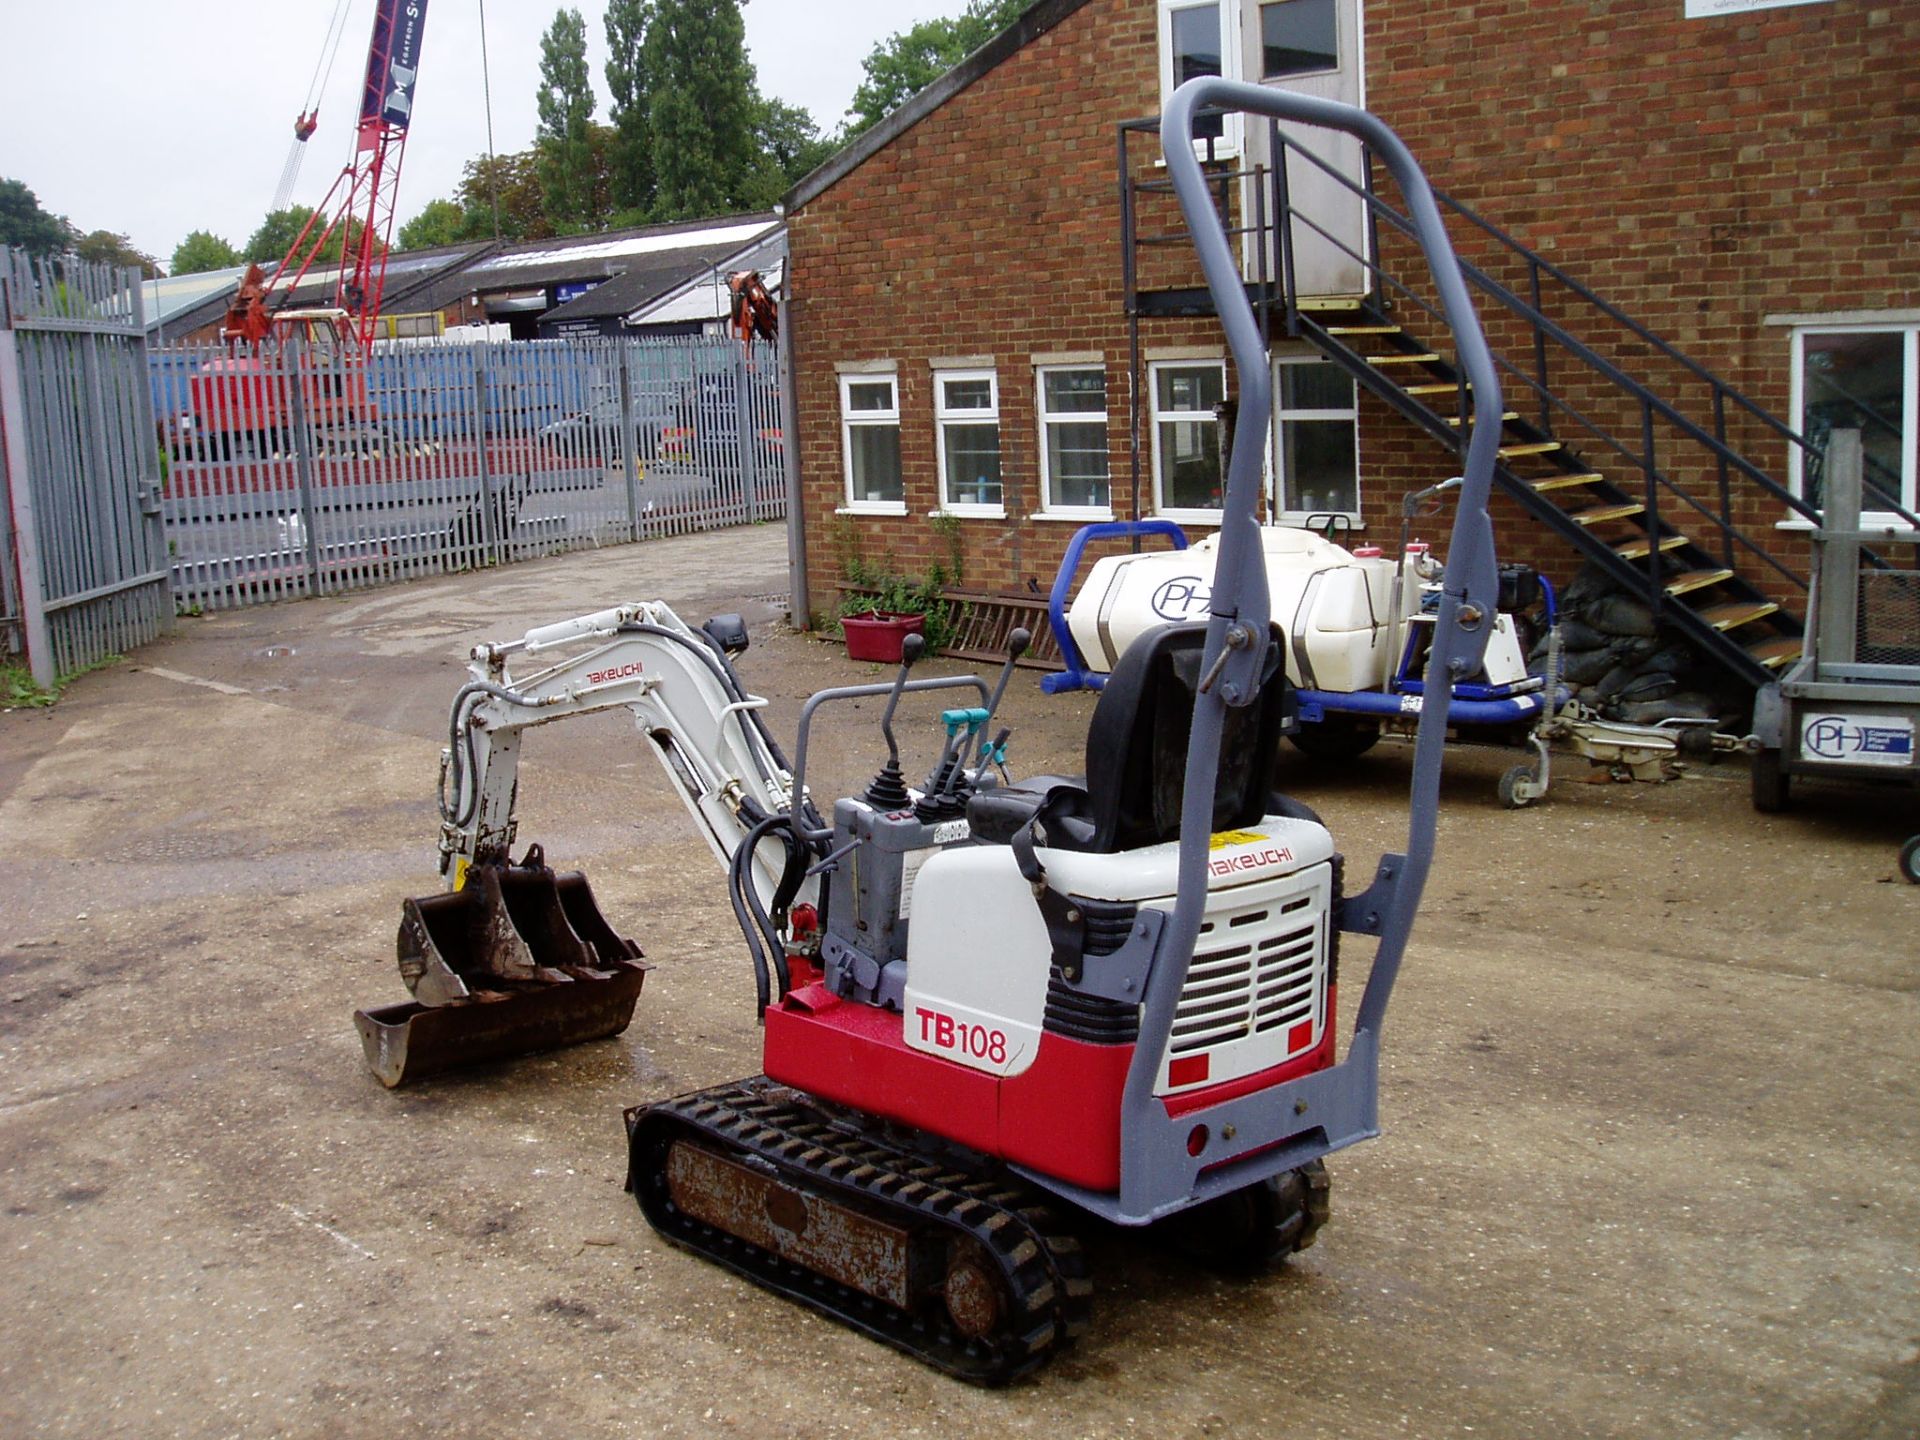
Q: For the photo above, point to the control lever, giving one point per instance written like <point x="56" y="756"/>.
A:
<point x="1017" y="644"/>
<point x="888" y="790"/>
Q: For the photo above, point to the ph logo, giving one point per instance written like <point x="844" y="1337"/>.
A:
<point x="1181" y="597"/>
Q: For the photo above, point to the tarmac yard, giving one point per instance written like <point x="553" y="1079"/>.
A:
<point x="1651" y="1151"/>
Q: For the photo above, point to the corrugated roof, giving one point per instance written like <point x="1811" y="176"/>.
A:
<point x="705" y="296"/>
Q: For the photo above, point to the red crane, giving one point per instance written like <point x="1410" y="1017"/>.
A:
<point x="364" y="191"/>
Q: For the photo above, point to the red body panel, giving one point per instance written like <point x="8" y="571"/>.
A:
<point x="1060" y="1116"/>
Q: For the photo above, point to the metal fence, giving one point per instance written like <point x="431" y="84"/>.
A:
<point x="80" y="473"/>
<point x="308" y="468"/>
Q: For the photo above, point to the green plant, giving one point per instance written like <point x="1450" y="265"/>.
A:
<point x="19" y="690"/>
<point x="892" y="593"/>
<point x="946" y="529"/>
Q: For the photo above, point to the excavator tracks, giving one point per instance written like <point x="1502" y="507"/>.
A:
<point x="972" y="1274"/>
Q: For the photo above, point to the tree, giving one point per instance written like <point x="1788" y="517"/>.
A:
<point x="277" y="233"/>
<point x="630" y="154"/>
<point x="106" y="247"/>
<point x="24" y="223"/>
<point x="905" y="64"/>
<point x="203" y="250"/>
<point x="702" y="109"/>
<point x="564" y="142"/>
<point x="442" y="222"/>
<point x="516" y="179"/>
<point x="787" y="137"/>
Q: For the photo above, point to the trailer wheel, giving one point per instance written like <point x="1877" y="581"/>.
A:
<point x="1910" y="860"/>
<point x="1512" y="797"/>
<point x="1769" y="782"/>
<point x="1336" y="738"/>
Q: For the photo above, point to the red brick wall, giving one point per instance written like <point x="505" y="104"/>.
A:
<point x="1698" y="173"/>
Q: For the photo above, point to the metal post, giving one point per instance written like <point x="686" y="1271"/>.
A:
<point x="1540" y="346"/>
<point x="1654" y="590"/>
<point x="629" y="459"/>
<point x="489" y="541"/>
<point x="19" y="487"/>
<point x="743" y="432"/>
<point x="293" y="367"/>
<point x="799" y="598"/>
<point x="1726" y="489"/>
<point x="1838" y="615"/>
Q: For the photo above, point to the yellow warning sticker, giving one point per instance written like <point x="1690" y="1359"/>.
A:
<point x="1221" y="839"/>
<point x="460" y="872"/>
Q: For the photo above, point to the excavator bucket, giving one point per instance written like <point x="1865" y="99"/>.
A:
<point x="516" y="961"/>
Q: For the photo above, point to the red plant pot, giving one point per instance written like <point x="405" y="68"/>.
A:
<point x="876" y="634"/>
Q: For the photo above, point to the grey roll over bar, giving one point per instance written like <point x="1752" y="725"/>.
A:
<point x="1288" y="1125"/>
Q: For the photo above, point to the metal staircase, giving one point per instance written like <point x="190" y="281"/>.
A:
<point x="1640" y="458"/>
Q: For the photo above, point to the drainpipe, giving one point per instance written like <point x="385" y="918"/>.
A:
<point x="799" y="602"/>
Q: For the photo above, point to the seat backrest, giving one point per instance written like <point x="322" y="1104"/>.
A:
<point x="1137" y="743"/>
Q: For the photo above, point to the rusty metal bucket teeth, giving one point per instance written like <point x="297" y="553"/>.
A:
<point x="518" y="960"/>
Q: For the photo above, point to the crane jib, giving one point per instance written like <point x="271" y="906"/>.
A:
<point x="393" y="63"/>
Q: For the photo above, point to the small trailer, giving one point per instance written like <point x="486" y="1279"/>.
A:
<point x="1849" y="707"/>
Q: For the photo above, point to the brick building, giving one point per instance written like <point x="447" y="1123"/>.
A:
<point x="1731" y="174"/>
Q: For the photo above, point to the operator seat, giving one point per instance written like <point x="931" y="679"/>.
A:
<point x="1137" y="756"/>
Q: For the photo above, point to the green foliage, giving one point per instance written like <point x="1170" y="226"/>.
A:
<point x="630" y="158"/>
<point x="18" y="691"/>
<point x="881" y="588"/>
<point x="907" y="62"/>
<point x="563" y="144"/>
<point x="106" y="247"/>
<point x="201" y="251"/>
<point x="789" y="145"/>
<point x="24" y="223"/>
<point x="516" y="178"/>
<point x="440" y="222"/>
<point x="946" y="529"/>
<point x="277" y="233"/>
<point x="702" y="111"/>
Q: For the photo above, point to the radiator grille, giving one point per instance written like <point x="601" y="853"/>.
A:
<point x="1256" y="991"/>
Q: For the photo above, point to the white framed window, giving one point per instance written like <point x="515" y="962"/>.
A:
<point x="1316" y="439"/>
<point x="1183" y="398"/>
<point x="1863" y="377"/>
<point x="1202" y="37"/>
<point x="966" y="418"/>
<point x="870" y="442"/>
<point x="1075" y="473"/>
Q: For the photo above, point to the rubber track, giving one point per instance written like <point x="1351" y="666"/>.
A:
<point x="1047" y="1292"/>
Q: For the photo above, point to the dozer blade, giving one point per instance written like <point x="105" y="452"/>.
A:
<point x="518" y="960"/>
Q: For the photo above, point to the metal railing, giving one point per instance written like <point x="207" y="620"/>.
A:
<point x="303" y="469"/>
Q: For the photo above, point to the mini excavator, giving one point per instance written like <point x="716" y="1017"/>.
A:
<point x="992" y="1008"/>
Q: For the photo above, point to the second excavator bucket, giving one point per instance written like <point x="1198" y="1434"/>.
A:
<point x="516" y="961"/>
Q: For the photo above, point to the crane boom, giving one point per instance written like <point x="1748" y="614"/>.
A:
<point x="364" y="191"/>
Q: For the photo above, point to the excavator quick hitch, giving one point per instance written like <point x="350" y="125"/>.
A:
<point x="518" y="960"/>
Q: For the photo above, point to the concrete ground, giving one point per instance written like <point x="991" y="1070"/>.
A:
<point x="1651" y="1136"/>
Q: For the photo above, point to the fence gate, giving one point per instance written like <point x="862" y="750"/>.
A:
<point x="85" y="557"/>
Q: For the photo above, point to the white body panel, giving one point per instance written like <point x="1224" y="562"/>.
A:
<point x="1322" y="597"/>
<point x="978" y="956"/>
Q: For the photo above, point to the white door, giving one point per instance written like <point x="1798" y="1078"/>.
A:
<point x="1313" y="47"/>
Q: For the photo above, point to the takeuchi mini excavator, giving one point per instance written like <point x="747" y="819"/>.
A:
<point x="992" y="1008"/>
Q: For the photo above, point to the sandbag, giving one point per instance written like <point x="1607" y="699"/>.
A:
<point x="1621" y="615"/>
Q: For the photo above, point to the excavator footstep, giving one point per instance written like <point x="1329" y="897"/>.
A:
<point x="516" y="961"/>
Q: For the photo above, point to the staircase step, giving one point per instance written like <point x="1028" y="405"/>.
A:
<point x="1425" y="357"/>
<point x="1599" y="513"/>
<point x="1561" y="482"/>
<point x="1505" y="416"/>
<point x="1737" y="613"/>
<point x="1536" y="447"/>
<point x="1691" y="580"/>
<point x="1640" y="548"/>
<point x="1776" y="654"/>
<point x="1365" y="330"/>
<point x="1442" y="387"/>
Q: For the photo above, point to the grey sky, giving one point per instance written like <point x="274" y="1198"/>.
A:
<point x="156" y="117"/>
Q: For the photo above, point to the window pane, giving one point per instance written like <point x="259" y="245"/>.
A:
<point x="1074" y="392"/>
<point x="1077" y="464"/>
<point x="967" y="394"/>
<point x="1197" y="388"/>
<point x="1298" y="36"/>
<point x="1857" y="381"/>
<point x="1196" y="51"/>
<point x="876" y="462"/>
<point x="1190" y="464"/>
<point x="973" y="464"/>
<point x="870" y="395"/>
<point x="1320" y="464"/>
<point x="1315" y="387"/>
